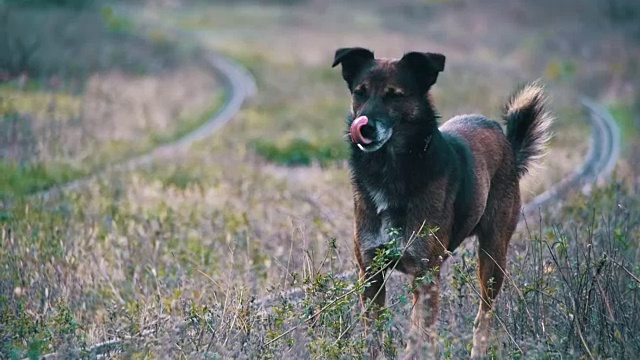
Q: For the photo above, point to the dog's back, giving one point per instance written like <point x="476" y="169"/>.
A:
<point x="491" y="161"/>
<point x="500" y="159"/>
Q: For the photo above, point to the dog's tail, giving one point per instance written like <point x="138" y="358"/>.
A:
<point x="528" y="122"/>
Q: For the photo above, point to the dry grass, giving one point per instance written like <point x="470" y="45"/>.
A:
<point x="178" y="251"/>
<point x="150" y="251"/>
<point x="285" y="64"/>
<point x="115" y="113"/>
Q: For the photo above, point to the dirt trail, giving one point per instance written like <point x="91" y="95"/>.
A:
<point x="238" y="85"/>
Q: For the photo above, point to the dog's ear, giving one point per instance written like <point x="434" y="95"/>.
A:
<point x="425" y="66"/>
<point x="352" y="60"/>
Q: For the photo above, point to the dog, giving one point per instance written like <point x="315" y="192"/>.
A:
<point x="458" y="180"/>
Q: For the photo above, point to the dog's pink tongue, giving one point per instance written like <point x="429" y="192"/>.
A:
<point x="356" y="133"/>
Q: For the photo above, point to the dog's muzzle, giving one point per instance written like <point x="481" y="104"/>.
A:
<point x="361" y="132"/>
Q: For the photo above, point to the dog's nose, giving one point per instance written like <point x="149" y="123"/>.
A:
<point x="361" y="131"/>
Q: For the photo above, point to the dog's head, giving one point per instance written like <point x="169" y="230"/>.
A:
<point x="388" y="96"/>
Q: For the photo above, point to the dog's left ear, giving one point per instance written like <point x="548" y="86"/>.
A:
<point x="352" y="60"/>
<point x="425" y="66"/>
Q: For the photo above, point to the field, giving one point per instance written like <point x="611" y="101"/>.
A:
<point x="174" y="259"/>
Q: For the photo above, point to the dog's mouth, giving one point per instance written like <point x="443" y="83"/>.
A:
<point x="366" y="136"/>
<point x="361" y="131"/>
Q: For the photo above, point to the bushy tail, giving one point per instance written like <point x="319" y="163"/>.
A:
<point x="528" y="122"/>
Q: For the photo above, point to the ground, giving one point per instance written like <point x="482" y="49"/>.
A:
<point x="266" y="203"/>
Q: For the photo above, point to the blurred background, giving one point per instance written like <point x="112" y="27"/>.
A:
<point x="265" y="203"/>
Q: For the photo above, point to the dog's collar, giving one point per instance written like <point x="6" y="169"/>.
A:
<point x="427" y="142"/>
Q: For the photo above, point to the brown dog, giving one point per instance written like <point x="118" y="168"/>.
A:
<point x="460" y="180"/>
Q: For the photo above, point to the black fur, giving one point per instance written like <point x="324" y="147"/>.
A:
<point x="352" y="60"/>
<point x="429" y="155"/>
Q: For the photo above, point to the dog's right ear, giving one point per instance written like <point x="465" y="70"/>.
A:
<point x="352" y="60"/>
<point x="424" y="66"/>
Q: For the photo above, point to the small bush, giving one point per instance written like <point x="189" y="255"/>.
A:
<point x="301" y="152"/>
<point x="18" y="179"/>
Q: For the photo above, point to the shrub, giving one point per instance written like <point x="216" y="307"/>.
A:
<point x="301" y="152"/>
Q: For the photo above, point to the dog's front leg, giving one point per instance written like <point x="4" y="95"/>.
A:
<point x="367" y="240"/>
<point x="373" y="300"/>
<point x="421" y="343"/>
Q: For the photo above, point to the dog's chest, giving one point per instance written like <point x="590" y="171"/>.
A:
<point x="386" y="230"/>
<point x="380" y="200"/>
<point x="390" y="219"/>
<point x="386" y="193"/>
<point x="384" y="185"/>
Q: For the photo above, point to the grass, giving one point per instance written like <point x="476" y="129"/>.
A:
<point x="39" y="103"/>
<point x="26" y="177"/>
<point x="21" y="179"/>
<point x="175" y="258"/>
<point x="624" y="116"/>
<point x="574" y="291"/>
<point x="53" y="41"/>
<point x="24" y="170"/>
<point x="301" y="152"/>
<point x="70" y="116"/>
<point x="191" y="122"/>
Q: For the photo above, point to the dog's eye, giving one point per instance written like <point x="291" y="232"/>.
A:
<point x="392" y="93"/>
<point x="360" y="91"/>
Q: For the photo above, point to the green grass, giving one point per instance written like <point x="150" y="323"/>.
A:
<point x="22" y="179"/>
<point x="60" y="328"/>
<point x="290" y="128"/>
<point x="302" y="152"/>
<point x="39" y="103"/>
<point x="18" y="177"/>
<point x="24" y="330"/>
<point x="624" y="116"/>
<point x="116" y="151"/>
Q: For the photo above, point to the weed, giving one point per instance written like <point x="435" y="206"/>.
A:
<point x="301" y="152"/>
<point x="19" y="179"/>
<point x="174" y="260"/>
